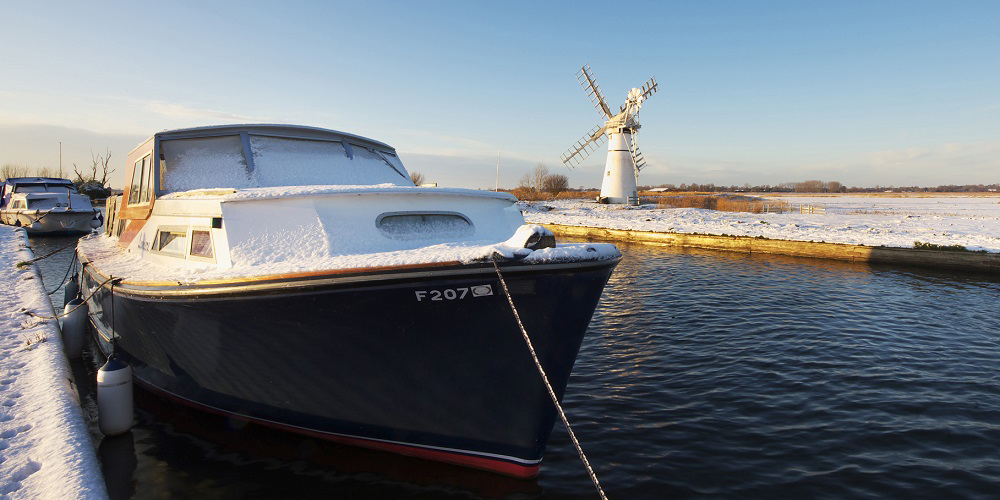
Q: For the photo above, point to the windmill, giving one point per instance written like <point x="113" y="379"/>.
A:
<point x="621" y="172"/>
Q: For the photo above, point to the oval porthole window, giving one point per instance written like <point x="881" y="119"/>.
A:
<point x="441" y="226"/>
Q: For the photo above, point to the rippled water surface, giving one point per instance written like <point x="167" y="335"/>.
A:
<point x="704" y="375"/>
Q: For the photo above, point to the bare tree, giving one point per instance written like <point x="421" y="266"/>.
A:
<point x="44" y="172"/>
<point x="11" y="170"/>
<point x="525" y="182"/>
<point x="96" y="184"/>
<point x="538" y="176"/>
<point x="555" y="184"/>
<point x="97" y="162"/>
<point x="809" y="187"/>
<point x="417" y="178"/>
<point x="834" y="187"/>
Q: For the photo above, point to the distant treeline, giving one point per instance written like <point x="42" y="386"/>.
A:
<point x="823" y="187"/>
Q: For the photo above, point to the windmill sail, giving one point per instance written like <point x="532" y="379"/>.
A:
<point x="593" y="91"/>
<point x="637" y="159"/>
<point x="584" y="147"/>
<point x="648" y="89"/>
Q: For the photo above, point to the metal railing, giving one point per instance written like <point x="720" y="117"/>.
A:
<point x="792" y="208"/>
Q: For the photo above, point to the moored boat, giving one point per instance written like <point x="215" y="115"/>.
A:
<point x="46" y="205"/>
<point x="295" y="277"/>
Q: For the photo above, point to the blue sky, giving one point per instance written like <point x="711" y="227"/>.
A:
<point x="866" y="93"/>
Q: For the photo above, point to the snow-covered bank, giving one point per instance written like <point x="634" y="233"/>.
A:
<point x="973" y="222"/>
<point x="45" y="448"/>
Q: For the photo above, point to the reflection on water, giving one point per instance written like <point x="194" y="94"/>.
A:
<point x="731" y="376"/>
<point x="704" y="375"/>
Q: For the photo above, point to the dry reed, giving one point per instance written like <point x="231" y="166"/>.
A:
<point x="724" y="203"/>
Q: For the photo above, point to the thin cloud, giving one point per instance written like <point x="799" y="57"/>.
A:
<point x="939" y="155"/>
<point x="179" y="111"/>
<point x="452" y="146"/>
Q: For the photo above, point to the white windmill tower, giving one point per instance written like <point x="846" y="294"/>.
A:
<point x="621" y="172"/>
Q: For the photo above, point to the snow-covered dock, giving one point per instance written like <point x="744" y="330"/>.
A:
<point x="45" y="448"/>
<point x="858" y="228"/>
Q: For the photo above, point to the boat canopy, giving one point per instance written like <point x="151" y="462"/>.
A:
<point x="37" y="184"/>
<point x="34" y="185"/>
<point x="250" y="156"/>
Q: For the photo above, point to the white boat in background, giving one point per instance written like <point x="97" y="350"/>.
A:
<point x="46" y="205"/>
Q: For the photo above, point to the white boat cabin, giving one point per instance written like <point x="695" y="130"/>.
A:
<point x="252" y="195"/>
<point x="41" y="193"/>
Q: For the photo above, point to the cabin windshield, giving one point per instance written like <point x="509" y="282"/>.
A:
<point x="220" y="162"/>
<point x="42" y="188"/>
<point x="45" y="203"/>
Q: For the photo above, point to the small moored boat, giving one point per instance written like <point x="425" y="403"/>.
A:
<point x="46" y="205"/>
<point x="295" y="277"/>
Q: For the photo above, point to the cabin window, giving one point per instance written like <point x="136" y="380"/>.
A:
<point x="204" y="163"/>
<point x="424" y="225"/>
<point x="201" y="244"/>
<point x="280" y="161"/>
<point x="144" y="191"/>
<point x="133" y="190"/>
<point x="171" y="241"/>
<point x="394" y="161"/>
<point x="38" y="188"/>
<point x="139" y="191"/>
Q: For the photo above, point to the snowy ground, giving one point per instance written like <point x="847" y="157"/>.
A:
<point x="973" y="222"/>
<point x="45" y="449"/>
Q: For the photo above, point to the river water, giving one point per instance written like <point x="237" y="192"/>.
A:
<point x="703" y="375"/>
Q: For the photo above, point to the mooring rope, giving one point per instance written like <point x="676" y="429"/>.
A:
<point x="50" y="254"/>
<point x="19" y="213"/>
<point x="548" y="386"/>
<point x="72" y="264"/>
<point x="29" y="313"/>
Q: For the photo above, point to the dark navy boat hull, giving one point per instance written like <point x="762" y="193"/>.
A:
<point x="422" y="361"/>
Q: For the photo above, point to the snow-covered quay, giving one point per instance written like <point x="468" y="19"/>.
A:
<point x="969" y="221"/>
<point x="45" y="449"/>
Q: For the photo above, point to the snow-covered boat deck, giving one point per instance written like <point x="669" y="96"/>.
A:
<point x="45" y="448"/>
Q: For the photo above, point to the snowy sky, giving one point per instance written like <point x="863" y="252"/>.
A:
<point x="862" y="92"/>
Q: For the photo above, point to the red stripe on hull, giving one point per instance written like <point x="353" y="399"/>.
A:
<point x="465" y="460"/>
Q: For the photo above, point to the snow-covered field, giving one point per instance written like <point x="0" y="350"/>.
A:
<point x="970" y="221"/>
<point x="45" y="449"/>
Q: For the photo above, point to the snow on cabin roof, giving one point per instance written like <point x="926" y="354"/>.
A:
<point x="296" y="191"/>
<point x="46" y="180"/>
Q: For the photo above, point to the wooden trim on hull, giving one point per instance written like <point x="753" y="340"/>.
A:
<point x="287" y="282"/>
